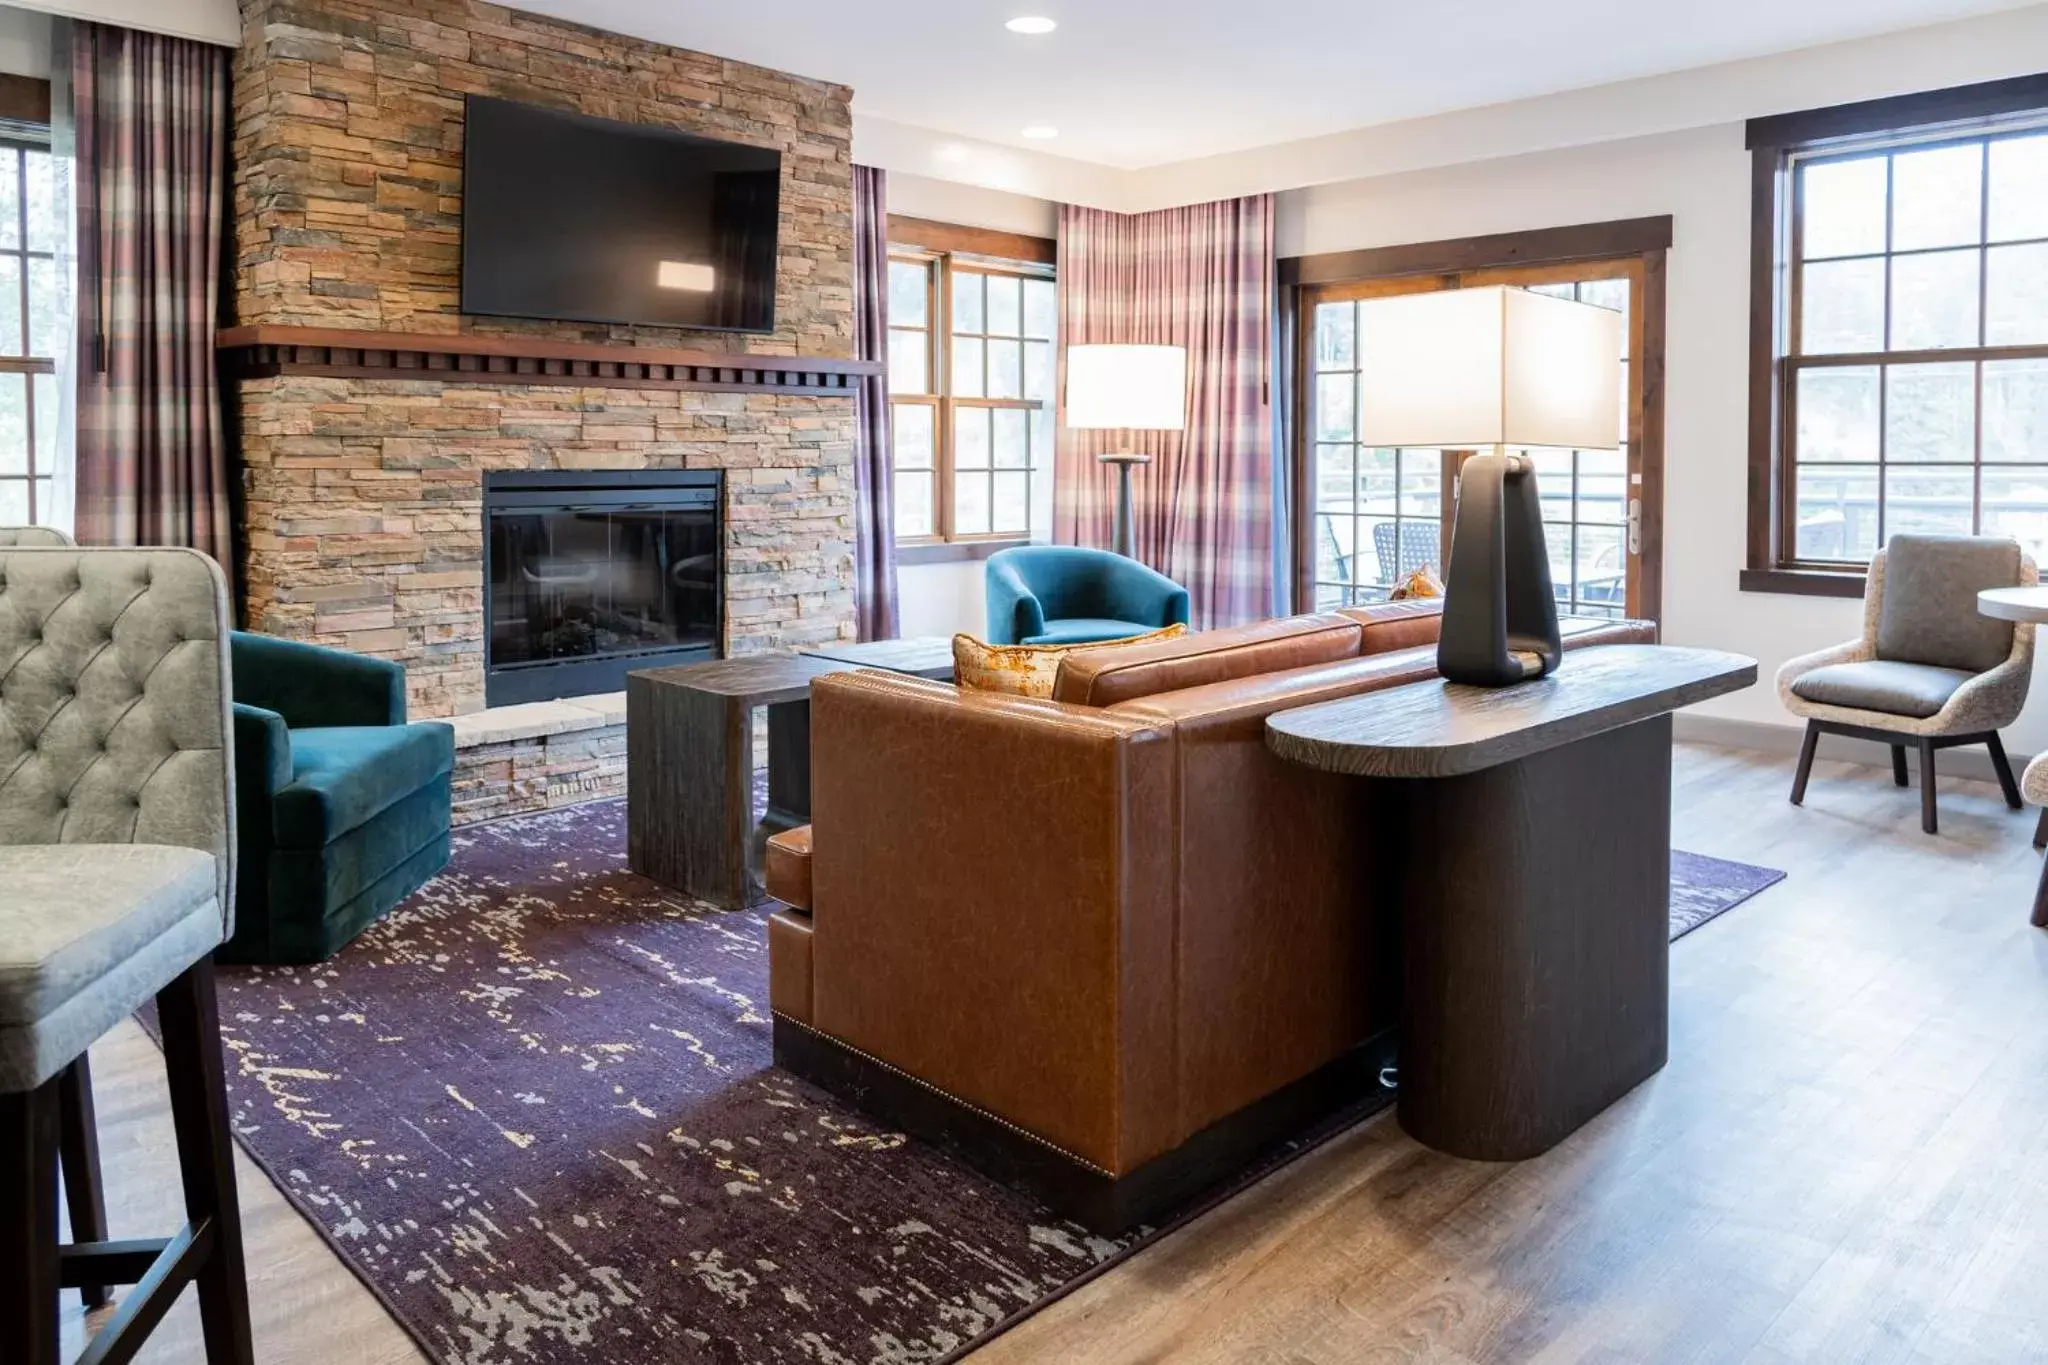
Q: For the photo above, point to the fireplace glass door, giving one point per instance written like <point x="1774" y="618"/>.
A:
<point x="589" y="582"/>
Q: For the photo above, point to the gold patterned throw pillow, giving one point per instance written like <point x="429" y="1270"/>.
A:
<point x="1027" y="670"/>
<point x="1421" y="583"/>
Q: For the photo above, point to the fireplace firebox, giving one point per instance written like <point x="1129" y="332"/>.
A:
<point x="589" y="574"/>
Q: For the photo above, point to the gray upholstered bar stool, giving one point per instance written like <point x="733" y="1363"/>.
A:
<point x="117" y="857"/>
<point x="1928" y="670"/>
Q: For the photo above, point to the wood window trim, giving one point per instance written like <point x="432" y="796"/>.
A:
<point x="24" y="99"/>
<point x="942" y="262"/>
<point x="928" y="234"/>
<point x="1641" y="244"/>
<point x="1773" y="143"/>
<point x="1536" y="247"/>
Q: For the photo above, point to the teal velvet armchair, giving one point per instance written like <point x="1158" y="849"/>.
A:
<point x="342" y="809"/>
<point x="1072" y="595"/>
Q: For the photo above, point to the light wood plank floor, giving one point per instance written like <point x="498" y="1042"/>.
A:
<point x="1846" y="1159"/>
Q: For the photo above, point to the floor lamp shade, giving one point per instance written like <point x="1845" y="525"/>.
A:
<point x="1486" y="369"/>
<point x="1126" y="388"/>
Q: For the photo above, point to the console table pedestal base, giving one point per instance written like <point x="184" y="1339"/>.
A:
<point x="1536" y="930"/>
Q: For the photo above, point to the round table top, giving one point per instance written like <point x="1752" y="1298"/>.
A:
<point x="2014" y="604"/>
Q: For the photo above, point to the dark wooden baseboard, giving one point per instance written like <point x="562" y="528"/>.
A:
<point x="1110" y="1205"/>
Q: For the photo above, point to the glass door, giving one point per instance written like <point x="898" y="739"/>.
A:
<point x="1376" y="515"/>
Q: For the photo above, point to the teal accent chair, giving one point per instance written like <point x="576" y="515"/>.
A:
<point x="342" y="809"/>
<point x="1071" y="595"/>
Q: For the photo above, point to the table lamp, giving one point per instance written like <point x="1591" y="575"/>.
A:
<point x="1483" y="369"/>
<point x="1126" y="388"/>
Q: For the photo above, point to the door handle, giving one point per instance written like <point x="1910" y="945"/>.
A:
<point x="1635" y="526"/>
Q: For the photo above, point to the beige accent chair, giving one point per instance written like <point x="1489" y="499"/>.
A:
<point x="32" y="537"/>
<point x="117" y="859"/>
<point x="1928" y="670"/>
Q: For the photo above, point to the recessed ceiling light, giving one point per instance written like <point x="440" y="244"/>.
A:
<point x="1038" y="132"/>
<point x="1031" y="23"/>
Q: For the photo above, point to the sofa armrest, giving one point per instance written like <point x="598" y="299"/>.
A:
<point x="786" y="868"/>
<point x="311" y="685"/>
<point x="263" y="765"/>
<point x="993" y="891"/>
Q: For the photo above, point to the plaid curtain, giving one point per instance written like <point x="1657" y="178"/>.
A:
<point x="151" y="118"/>
<point x="874" y="483"/>
<point x="1201" y="277"/>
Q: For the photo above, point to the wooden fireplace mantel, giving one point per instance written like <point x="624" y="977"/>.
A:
<point x="266" y="351"/>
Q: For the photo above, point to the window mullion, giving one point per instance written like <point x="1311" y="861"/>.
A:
<point x="941" y="365"/>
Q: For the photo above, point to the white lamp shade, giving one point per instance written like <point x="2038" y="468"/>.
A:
<point x="1470" y="368"/>
<point x="1132" y="388"/>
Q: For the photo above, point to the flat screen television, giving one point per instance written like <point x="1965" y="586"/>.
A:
<point x="591" y="220"/>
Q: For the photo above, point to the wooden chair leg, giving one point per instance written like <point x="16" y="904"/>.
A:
<point x="78" y="1147"/>
<point x="199" y="1110"/>
<point x="2041" y="829"/>
<point x="1927" y="816"/>
<point x="2003" y="768"/>
<point x="1899" y="777"/>
<point x="28" y="1224"/>
<point x="2040" y="920"/>
<point x="1806" y="748"/>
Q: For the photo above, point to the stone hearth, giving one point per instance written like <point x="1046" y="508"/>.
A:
<point x="539" y="755"/>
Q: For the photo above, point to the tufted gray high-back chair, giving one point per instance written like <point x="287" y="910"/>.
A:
<point x="12" y="537"/>
<point x="114" y="702"/>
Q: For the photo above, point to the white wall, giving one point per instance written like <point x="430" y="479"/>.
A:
<point x="24" y="42"/>
<point x="942" y="599"/>
<point x="1701" y="178"/>
<point x="921" y="196"/>
<point x="2008" y="43"/>
<point x="210" y="21"/>
<point x="905" y="148"/>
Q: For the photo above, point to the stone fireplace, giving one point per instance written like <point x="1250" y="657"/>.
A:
<point x="590" y="575"/>
<point x="370" y="412"/>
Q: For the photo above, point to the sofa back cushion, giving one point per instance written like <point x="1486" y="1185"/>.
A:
<point x="1120" y="673"/>
<point x="1388" y="626"/>
<point x="1929" y="613"/>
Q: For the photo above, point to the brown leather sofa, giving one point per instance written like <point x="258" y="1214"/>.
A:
<point x="1109" y="942"/>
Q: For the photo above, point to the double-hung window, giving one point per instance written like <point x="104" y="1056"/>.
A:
<point x="1900" y="365"/>
<point x="971" y="374"/>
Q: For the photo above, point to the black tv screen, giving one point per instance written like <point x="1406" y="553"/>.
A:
<point x="590" y="220"/>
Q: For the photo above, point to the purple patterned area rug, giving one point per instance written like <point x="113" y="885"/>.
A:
<point x="1704" y="888"/>
<point x="534" y="1111"/>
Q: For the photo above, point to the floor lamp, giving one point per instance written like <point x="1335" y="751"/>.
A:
<point x="1469" y="370"/>
<point x="1126" y="388"/>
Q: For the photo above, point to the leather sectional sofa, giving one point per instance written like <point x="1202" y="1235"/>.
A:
<point x="1108" y="944"/>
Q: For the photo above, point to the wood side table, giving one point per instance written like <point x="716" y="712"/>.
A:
<point x="690" y="758"/>
<point x="1533" y="867"/>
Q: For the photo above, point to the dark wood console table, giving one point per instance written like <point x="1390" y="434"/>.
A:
<point x="1533" y="867"/>
<point x="690" y="758"/>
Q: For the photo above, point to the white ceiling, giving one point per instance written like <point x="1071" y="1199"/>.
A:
<point x="1132" y="83"/>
